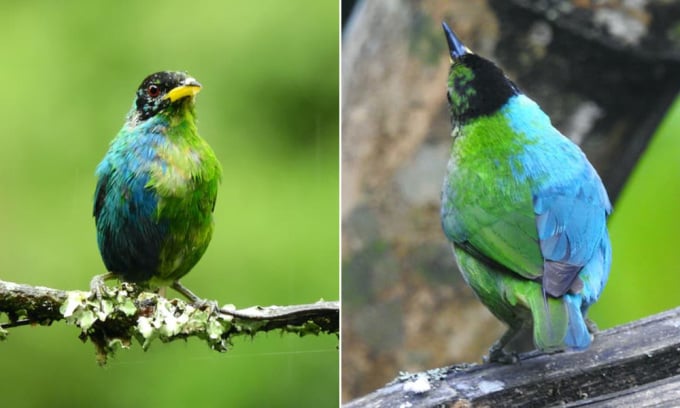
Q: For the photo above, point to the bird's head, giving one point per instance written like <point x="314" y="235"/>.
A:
<point x="476" y="86"/>
<point x="163" y="90"/>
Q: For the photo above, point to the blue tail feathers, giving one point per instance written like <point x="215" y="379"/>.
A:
<point x="578" y="336"/>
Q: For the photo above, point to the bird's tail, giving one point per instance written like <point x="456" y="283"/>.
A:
<point x="558" y="323"/>
<point x="578" y="336"/>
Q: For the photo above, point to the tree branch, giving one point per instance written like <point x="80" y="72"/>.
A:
<point x="635" y="364"/>
<point x="124" y="313"/>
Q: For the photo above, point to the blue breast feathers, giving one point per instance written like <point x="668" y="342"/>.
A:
<point x="129" y="233"/>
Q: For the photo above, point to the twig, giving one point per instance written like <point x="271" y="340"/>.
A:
<point x="124" y="313"/>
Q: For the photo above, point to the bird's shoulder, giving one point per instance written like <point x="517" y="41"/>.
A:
<point x="570" y="201"/>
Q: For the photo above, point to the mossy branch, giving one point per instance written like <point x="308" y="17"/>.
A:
<point x="124" y="313"/>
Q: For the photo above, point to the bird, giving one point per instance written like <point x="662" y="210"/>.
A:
<point x="156" y="189"/>
<point x="525" y="211"/>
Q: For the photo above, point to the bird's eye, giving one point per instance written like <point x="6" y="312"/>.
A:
<point x="153" y="91"/>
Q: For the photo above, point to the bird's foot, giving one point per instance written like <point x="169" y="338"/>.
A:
<point x="592" y="329"/>
<point x="197" y="302"/>
<point x="592" y="326"/>
<point x="98" y="289"/>
<point x="98" y="285"/>
<point x="498" y="355"/>
<point x="204" y="304"/>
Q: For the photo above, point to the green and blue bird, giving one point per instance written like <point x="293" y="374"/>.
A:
<point x="524" y="209"/>
<point x="156" y="188"/>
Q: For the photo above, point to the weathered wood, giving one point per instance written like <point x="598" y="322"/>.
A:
<point x="662" y="393"/>
<point x="636" y="364"/>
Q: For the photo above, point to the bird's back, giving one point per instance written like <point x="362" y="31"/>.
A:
<point x="521" y="200"/>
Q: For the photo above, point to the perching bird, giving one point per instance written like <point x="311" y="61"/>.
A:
<point x="156" y="189"/>
<point x="524" y="209"/>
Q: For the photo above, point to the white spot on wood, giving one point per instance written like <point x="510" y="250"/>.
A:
<point x="487" y="387"/>
<point x="419" y="385"/>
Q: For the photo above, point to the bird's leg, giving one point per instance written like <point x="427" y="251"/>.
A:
<point x="497" y="352"/>
<point x="196" y="301"/>
<point x="592" y="326"/>
<point x="97" y="284"/>
<point x="186" y="292"/>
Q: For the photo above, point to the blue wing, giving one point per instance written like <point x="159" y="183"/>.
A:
<point x="571" y="223"/>
<point x="570" y="202"/>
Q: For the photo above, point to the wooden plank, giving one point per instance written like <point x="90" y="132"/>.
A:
<point x="663" y="393"/>
<point x="637" y="363"/>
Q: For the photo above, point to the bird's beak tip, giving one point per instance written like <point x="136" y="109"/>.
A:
<point x="456" y="47"/>
<point x="190" y="81"/>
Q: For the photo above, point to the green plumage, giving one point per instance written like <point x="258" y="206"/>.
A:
<point x="498" y="217"/>
<point x="495" y="210"/>
<point x="157" y="187"/>
<point x="523" y="208"/>
<point x="185" y="177"/>
<point x="519" y="303"/>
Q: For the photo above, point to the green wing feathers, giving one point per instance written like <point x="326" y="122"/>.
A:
<point x="502" y="293"/>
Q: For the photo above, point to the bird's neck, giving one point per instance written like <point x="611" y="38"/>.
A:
<point x="476" y="88"/>
<point x="182" y="123"/>
<point x="176" y="125"/>
<point x="486" y="137"/>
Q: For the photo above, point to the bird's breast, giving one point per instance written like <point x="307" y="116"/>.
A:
<point x="175" y="170"/>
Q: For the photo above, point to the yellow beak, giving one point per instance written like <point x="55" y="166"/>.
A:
<point x="190" y="87"/>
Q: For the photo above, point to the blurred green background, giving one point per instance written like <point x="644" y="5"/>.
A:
<point x="269" y="108"/>
<point x="644" y="231"/>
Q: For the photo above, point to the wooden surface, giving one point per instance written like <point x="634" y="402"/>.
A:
<point x="634" y="365"/>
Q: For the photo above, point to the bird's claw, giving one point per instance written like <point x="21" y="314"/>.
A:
<point x="98" y="288"/>
<point x="98" y="285"/>
<point x="197" y="302"/>
<point x="204" y="304"/>
<point x="592" y="326"/>
<point x="498" y="355"/>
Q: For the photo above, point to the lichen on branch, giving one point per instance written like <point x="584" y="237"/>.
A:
<point x="125" y="313"/>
